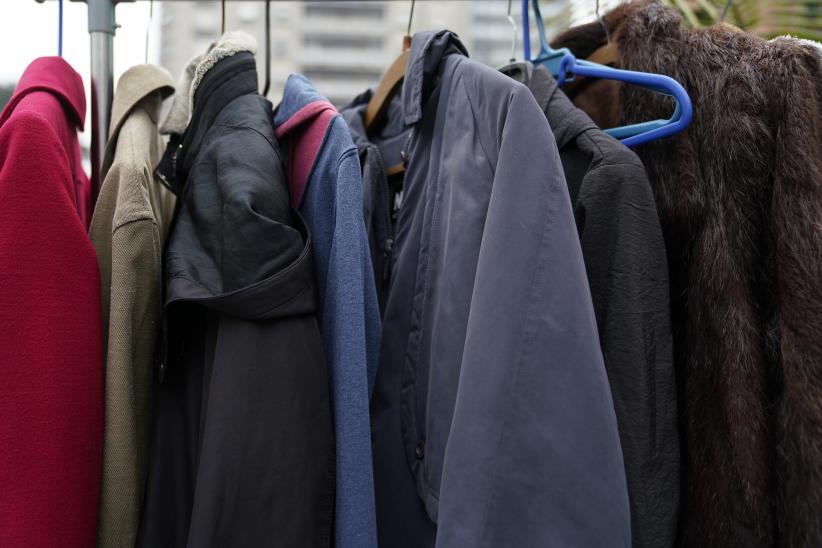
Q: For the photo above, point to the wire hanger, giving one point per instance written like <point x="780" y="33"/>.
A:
<point x="148" y="27"/>
<point x="222" y="17"/>
<point x="562" y="62"/>
<point x="513" y="34"/>
<point x="267" y="47"/>
<point x="390" y="82"/>
<point x="518" y="70"/>
<point x="60" y="28"/>
<point x="725" y="11"/>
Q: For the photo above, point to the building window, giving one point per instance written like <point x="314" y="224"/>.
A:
<point x="345" y="9"/>
<point x="331" y="73"/>
<point x="341" y="41"/>
<point x="247" y="13"/>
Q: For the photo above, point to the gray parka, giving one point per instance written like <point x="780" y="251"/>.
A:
<point x="492" y="418"/>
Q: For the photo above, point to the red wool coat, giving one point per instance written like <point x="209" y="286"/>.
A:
<point x="51" y="360"/>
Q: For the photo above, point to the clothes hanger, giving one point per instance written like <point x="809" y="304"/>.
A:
<point x="725" y="11"/>
<point x="148" y="27"/>
<point x="562" y="62"/>
<point x="222" y="17"/>
<point x="390" y="82"/>
<point x="60" y="28"/>
<point x="518" y="70"/>
<point x="267" y="47"/>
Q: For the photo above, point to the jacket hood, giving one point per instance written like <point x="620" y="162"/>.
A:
<point x="288" y="291"/>
<point x="56" y="76"/>
<point x="304" y="115"/>
<point x="230" y="43"/>
<point x="134" y="86"/>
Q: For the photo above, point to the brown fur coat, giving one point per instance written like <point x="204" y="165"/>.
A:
<point x="740" y="199"/>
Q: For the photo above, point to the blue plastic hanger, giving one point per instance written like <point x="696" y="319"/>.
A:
<point x="561" y="62"/>
<point x="60" y="28"/>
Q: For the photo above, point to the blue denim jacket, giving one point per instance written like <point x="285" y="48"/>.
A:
<point x="326" y="186"/>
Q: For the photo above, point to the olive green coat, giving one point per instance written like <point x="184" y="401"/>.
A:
<point x="128" y="230"/>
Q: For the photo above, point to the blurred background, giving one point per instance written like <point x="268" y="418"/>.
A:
<point x="342" y="46"/>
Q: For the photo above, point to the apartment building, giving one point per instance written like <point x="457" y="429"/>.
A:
<point x="344" y="46"/>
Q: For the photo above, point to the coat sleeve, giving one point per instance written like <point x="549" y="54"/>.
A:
<point x="51" y="370"/>
<point x="533" y="456"/>
<point x="628" y="273"/>
<point x="796" y="230"/>
<point x="134" y="288"/>
<point x="348" y="335"/>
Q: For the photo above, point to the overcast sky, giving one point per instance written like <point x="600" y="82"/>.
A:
<point x="28" y="30"/>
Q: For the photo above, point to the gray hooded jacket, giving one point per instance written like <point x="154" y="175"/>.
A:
<point x="492" y="417"/>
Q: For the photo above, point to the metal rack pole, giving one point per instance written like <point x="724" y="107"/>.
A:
<point x="101" y="27"/>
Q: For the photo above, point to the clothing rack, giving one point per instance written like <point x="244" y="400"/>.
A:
<point x="101" y="28"/>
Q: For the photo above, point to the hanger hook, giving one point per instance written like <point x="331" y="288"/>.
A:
<point x="514" y="30"/>
<point x="60" y="28"/>
<point x="267" y="47"/>
<point x="222" y="17"/>
<point x="602" y="24"/>
<point x="410" y="18"/>
<point x="148" y="27"/>
<point x="725" y="11"/>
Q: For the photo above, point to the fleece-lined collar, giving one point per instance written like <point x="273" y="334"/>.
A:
<point x="225" y="81"/>
<point x="56" y="76"/>
<point x="303" y="117"/>
<point x="229" y="44"/>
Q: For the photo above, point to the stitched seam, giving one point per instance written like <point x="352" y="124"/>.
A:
<point x="474" y="117"/>
<point x="118" y="226"/>
<point x="350" y="151"/>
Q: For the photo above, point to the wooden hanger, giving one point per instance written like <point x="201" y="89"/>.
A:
<point x="388" y="86"/>
<point x="390" y="83"/>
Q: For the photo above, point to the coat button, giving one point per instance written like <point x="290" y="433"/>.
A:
<point x="419" y="451"/>
<point x="162" y="370"/>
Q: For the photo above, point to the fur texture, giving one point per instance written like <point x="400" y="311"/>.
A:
<point x="229" y="44"/>
<point x="740" y="199"/>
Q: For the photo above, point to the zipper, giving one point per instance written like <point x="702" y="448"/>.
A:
<point x="386" y="257"/>
<point x="174" y="156"/>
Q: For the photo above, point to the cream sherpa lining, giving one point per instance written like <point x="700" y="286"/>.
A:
<point x="229" y="44"/>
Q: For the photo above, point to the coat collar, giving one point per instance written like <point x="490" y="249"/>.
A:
<point x="53" y="75"/>
<point x="231" y="43"/>
<point x="136" y="86"/>
<point x="303" y="117"/>
<point x="233" y="76"/>
<point x="566" y="120"/>
<point x="428" y="49"/>
<point x="297" y="95"/>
